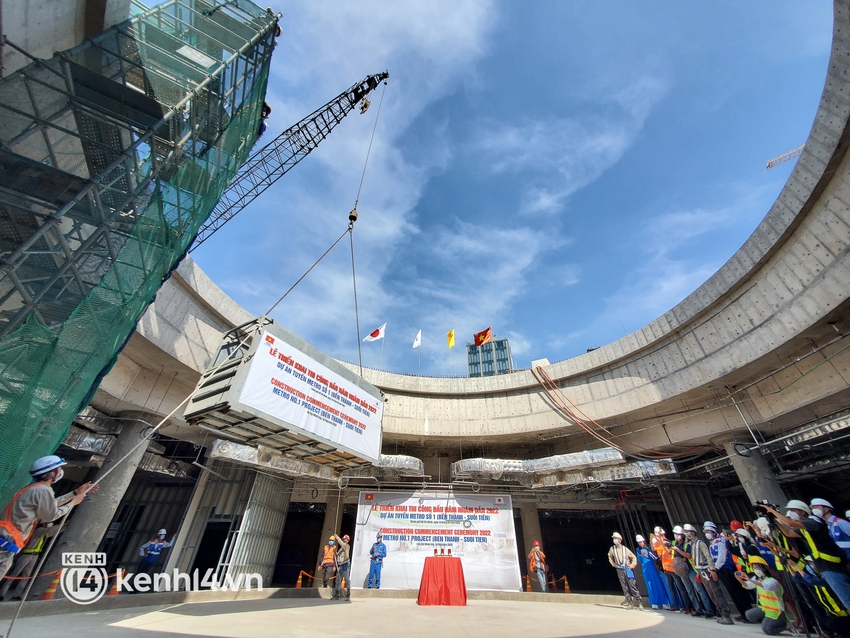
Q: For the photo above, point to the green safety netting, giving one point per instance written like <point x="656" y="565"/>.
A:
<point x="112" y="155"/>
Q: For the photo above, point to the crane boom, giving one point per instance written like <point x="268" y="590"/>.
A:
<point x="267" y="165"/>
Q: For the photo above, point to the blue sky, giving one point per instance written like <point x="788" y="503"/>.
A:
<point x="560" y="171"/>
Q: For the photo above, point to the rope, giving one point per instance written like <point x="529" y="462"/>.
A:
<point x="356" y="311"/>
<point x="55" y="571"/>
<point x="377" y="115"/>
<point x="275" y="304"/>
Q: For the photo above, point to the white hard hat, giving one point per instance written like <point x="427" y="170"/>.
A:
<point x="847" y="514"/>
<point x="616" y="535"/>
<point x="45" y="464"/>
<point x="709" y="525"/>
<point x="822" y="503"/>
<point x="161" y="532"/>
<point x="689" y="528"/>
<point x="678" y="530"/>
<point x="639" y="538"/>
<point x="794" y="504"/>
<point x="744" y="533"/>
<point x="658" y="530"/>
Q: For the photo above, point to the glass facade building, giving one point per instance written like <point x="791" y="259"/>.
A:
<point x="490" y="359"/>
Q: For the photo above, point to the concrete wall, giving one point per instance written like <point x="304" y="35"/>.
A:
<point x="765" y="331"/>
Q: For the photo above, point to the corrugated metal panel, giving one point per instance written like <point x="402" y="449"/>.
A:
<point x="696" y="504"/>
<point x="258" y="540"/>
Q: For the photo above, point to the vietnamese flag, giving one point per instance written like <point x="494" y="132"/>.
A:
<point x="485" y="336"/>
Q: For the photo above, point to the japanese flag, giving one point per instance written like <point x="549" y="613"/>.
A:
<point x="376" y="334"/>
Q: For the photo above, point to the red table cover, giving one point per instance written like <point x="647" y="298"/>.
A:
<point x="442" y="582"/>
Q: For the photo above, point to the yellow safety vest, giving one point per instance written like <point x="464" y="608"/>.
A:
<point x="769" y="602"/>
<point x="815" y="553"/>
<point x="38" y="547"/>
<point x="829" y="603"/>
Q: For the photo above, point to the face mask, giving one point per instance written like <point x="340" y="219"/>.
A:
<point x="679" y="538"/>
<point x="709" y="536"/>
<point x="59" y="474"/>
<point x="331" y="543"/>
<point x="817" y="512"/>
<point x="794" y="516"/>
<point x="759" y="573"/>
<point x="616" y="541"/>
<point x="379" y="538"/>
<point x="162" y="537"/>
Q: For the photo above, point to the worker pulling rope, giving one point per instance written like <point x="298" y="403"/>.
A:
<point x="248" y="335"/>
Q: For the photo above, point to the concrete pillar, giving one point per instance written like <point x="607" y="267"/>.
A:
<point x="530" y="526"/>
<point x="90" y="521"/>
<point x="755" y="475"/>
<point x="333" y="520"/>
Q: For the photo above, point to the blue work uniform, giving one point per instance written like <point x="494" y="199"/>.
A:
<point x="377" y="553"/>
<point x="150" y="552"/>
<point x="839" y="529"/>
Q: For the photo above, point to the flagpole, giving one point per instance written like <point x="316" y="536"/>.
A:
<point x="420" y="358"/>
<point x="381" y="363"/>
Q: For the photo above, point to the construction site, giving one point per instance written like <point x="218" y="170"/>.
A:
<point x="130" y="136"/>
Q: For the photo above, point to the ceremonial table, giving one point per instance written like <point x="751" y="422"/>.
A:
<point x="442" y="582"/>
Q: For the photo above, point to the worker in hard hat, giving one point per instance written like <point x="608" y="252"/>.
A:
<point x="537" y="565"/>
<point x="377" y="554"/>
<point x="706" y="602"/>
<point x="725" y="568"/>
<point x="839" y="528"/>
<point x="624" y="561"/>
<point x="684" y="570"/>
<point x="150" y="551"/>
<point x="828" y="558"/>
<point x="328" y="564"/>
<point x="709" y="580"/>
<point x="343" y="565"/>
<point x="26" y="561"/>
<point x="33" y="504"/>
<point x="675" y="591"/>
<point x="647" y="558"/>
<point x="771" y="610"/>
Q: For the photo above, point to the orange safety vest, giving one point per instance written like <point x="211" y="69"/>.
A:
<point x="666" y="554"/>
<point x="6" y="519"/>
<point x="534" y="560"/>
<point x="328" y="558"/>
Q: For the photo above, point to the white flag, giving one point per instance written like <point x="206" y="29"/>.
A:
<point x="418" y="341"/>
<point x="376" y="334"/>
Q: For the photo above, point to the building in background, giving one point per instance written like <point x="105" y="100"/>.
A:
<point x="489" y="359"/>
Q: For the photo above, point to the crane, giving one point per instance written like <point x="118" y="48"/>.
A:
<point x="267" y="165"/>
<point x="781" y="159"/>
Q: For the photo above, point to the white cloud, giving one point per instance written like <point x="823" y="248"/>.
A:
<point x="565" y="154"/>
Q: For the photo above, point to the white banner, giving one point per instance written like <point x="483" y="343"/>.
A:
<point x="291" y="387"/>
<point x="477" y="528"/>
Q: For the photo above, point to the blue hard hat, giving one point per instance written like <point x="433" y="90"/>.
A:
<point x="45" y="464"/>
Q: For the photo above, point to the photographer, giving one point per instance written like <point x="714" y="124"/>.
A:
<point x="771" y="611"/>
<point x="828" y="558"/>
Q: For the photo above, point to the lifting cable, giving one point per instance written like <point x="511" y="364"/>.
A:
<point x="144" y="440"/>
<point x="602" y="434"/>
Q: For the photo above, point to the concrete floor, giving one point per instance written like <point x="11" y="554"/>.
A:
<point x="372" y="617"/>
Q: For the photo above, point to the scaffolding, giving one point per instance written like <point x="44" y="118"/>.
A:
<point x="112" y="155"/>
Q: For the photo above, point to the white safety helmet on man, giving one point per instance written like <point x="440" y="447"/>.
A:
<point x="709" y="526"/>
<point x="744" y="533"/>
<point x="658" y="530"/>
<point x="616" y="535"/>
<point x="819" y="502"/>
<point x="678" y="530"/>
<point x="795" y="504"/>
<point x="46" y="464"/>
<point x="689" y="528"/>
<point x="640" y="539"/>
<point x="161" y="532"/>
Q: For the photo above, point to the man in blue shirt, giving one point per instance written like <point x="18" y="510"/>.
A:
<point x="150" y="551"/>
<point x="377" y="553"/>
<point x="839" y="528"/>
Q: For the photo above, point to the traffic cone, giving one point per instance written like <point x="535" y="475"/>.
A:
<point x="527" y="583"/>
<point x="553" y="584"/>
<point x="114" y="591"/>
<point x="566" y="585"/>
<point x="50" y="592"/>
<point x="298" y="582"/>
<point x="342" y="586"/>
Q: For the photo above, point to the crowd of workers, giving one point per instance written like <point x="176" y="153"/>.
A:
<point x="783" y="571"/>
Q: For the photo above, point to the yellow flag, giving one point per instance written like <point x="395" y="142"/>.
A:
<point x="450" y="335"/>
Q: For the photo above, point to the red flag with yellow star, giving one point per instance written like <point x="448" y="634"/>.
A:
<point x="485" y="336"/>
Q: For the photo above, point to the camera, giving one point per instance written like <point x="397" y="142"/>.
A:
<point x="761" y="505"/>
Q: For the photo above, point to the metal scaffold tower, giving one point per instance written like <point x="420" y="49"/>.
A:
<point x="112" y="156"/>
